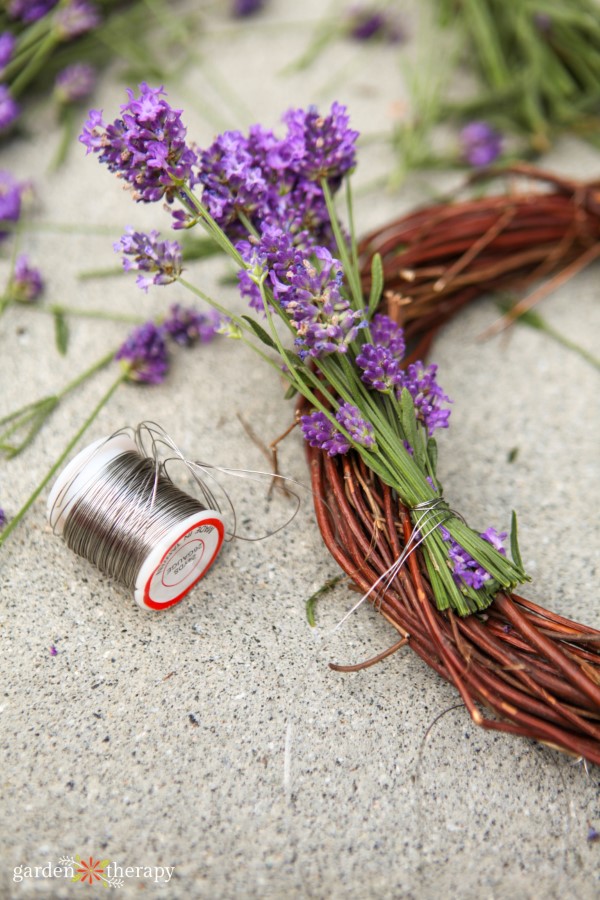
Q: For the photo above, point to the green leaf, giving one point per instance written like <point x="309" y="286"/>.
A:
<point x="29" y="419"/>
<point x="324" y="589"/>
<point x="376" y="284"/>
<point x="61" y="332"/>
<point x="260" y="332"/>
<point x="291" y="392"/>
<point x="408" y="419"/>
<point x="514" y="541"/>
<point x="432" y="454"/>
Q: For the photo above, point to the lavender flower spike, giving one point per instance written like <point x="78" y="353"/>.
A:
<point x="76" y="18"/>
<point x="321" y="146"/>
<point x="146" y="253"/>
<point x="358" y="428"/>
<point x="3" y="518"/>
<point x="145" y="354"/>
<point x="146" y="146"/>
<point x="318" y="431"/>
<point x="427" y="395"/>
<point x="465" y="569"/>
<point x="26" y="284"/>
<point x="190" y="326"/>
<point x="74" y="83"/>
<point x="30" y="10"/>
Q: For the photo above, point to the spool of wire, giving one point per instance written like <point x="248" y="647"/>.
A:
<point x="116" y="506"/>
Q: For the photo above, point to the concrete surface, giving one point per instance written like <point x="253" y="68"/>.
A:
<point x="213" y="738"/>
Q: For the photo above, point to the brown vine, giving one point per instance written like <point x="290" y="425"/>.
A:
<point x="519" y="668"/>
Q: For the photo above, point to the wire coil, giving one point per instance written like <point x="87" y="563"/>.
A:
<point x="117" y="507"/>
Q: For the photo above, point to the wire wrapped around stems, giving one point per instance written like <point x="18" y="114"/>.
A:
<point x="535" y="672"/>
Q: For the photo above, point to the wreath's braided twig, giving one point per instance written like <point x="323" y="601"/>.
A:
<point x="538" y="673"/>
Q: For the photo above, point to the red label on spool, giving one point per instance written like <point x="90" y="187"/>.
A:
<point x="185" y="562"/>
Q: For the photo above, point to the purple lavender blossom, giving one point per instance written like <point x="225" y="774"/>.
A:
<point x="145" y="354"/>
<point x="358" y="428"/>
<point x="321" y="316"/>
<point x="3" y="518"/>
<point x="240" y="9"/>
<point x="7" y="46"/>
<point x="275" y="182"/>
<point x="308" y="289"/>
<point x="10" y="199"/>
<point x="481" y="144"/>
<point x="495" y="539"/>
<point x="321" y="146"/>
<point x="427" y="395"/>
<point x="26" y="283"/>
<point x="188" y="326"/>
<point x="274" y="252"/>
<point x="146" y="253"/>
<point x="381" y="368"/>
<point x="9" y="108"/>
<point x="30" y="10"/>
<point x="465" y="569"/>
<point x="74" y="83"/>
<point x="234" y="182"/>
<point x="387" y="333"/>
<point x="146" y="146"/>
<point x="592" y="835"/>
<point x="76" y="18"/>
<point x="320" y="432"/>
<point x="367" y="22"/>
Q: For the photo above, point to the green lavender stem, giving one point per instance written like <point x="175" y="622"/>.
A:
<point x="36" y="414"/>
<point x="58" y="463"/>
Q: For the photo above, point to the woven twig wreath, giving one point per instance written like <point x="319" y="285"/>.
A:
<point x="518" y="667"/>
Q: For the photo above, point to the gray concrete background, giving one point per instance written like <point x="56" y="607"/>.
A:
<point x="213" y="738"/>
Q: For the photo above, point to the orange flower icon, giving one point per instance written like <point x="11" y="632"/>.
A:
<point x="90" y="871"/>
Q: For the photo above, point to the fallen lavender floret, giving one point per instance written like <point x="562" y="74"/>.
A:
<point x="481" y="144"/>
<point x="10" y="199"/>
<point x="145" y="354"/>
<point x="26" y="283"/>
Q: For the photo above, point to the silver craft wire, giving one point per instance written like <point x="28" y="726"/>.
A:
<point x="428" y="509"/>
<point x="124" y="513"/>
<point x="201" y="471"/>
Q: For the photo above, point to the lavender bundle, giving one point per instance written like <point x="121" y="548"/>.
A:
<point x="268" y="203"/>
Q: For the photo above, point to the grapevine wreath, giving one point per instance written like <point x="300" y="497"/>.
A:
<point x="518" y="667"/>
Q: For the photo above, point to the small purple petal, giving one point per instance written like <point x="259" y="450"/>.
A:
<point x="481" y="144"/>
